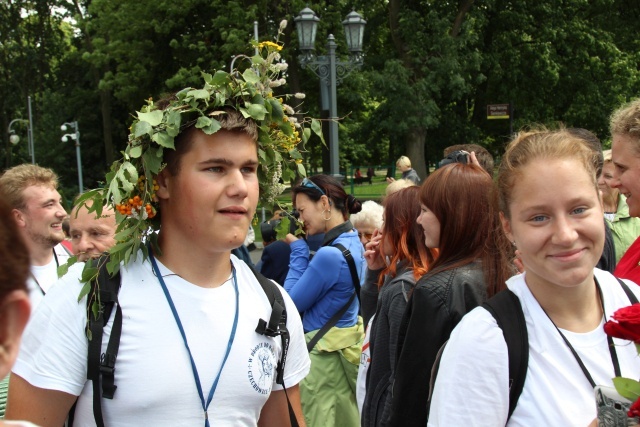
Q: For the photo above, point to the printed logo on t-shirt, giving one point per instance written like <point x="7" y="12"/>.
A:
<point x="261" y="367"/>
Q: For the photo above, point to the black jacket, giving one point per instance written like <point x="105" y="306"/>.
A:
<point x="436" y="306"/>
<point x="383" y="345"/>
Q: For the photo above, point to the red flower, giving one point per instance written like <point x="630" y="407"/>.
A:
<point x="634" y="411"/>
<point x="625" y="325"/>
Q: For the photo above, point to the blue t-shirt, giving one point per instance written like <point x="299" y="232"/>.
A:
<point x="322" y="286"/>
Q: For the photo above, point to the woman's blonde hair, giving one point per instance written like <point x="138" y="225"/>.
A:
<point x="404" y="161"/>
<point x="540" y="144"/>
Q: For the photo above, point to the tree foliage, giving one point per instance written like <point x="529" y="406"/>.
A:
<point x="430" y="70"/>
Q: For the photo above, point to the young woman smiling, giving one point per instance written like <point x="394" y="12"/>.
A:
<point x="551" y="211"/>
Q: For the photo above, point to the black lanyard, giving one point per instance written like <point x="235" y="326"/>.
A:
<point x="55" y="256"/>
<point x="612" y="348"/>
<point x="205" y="405"/>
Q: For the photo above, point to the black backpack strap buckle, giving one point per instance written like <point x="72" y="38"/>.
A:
<point x="271" y="329"/>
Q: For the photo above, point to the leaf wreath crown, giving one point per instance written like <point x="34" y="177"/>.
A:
<point x="130" y="184"/>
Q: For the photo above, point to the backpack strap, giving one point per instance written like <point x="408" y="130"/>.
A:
<point x="336" y="317"/>
<point x="505" y="307"/>
<point x="101" y="366"/>
<point x="277" y="325"/>
<point x="630" y="294"/>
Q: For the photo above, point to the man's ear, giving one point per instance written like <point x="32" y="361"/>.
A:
<point x="163" y="184"/>
<point x="19" y="217"/>
<point x="14" y="314"/>
<point x="506" y="226"/>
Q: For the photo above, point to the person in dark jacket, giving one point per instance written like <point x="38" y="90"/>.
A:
<point x="458" y="218"/>
<point x="401" y="242"/>
<point x="274" y="262"/>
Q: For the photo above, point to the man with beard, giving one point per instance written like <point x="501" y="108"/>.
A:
<point x="90" y="235"/>
<point x="32" y="193"/>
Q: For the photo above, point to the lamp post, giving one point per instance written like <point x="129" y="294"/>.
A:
<point x="328" y="68"/>
<point x="76" y="137"/>
<point x="14" y="139"/>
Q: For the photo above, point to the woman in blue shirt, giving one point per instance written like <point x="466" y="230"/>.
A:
<point x="320" y="288"/>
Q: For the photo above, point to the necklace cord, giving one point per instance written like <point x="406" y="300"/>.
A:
<point x="612" y="349"/>
<point x="194" y="369"/>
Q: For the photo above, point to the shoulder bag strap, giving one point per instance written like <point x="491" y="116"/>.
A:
<point x="330" y="324"/>
<point x="352" y="267"/>
<point x="336" y="317"/>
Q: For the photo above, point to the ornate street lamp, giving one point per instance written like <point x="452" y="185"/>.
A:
<point x="354" y="31"/>
<point x="328" y="68"/>
<point x="14" y="139"/>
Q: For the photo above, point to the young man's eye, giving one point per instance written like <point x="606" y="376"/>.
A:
<point x="215" y="169"/>
<point x="249" y="169"/>
<point x="538" y="218"/>
<point x="579" y="211"/>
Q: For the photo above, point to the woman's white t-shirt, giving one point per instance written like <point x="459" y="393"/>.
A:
<point x="472" y="384"/>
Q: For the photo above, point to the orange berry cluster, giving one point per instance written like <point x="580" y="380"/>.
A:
<point x="141" y="185"/>
<point x="135" y="205"/>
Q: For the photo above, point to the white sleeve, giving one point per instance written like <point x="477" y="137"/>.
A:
<point x="472" y="385"/>
<point x="53" y="353"/>
<point x="251" y="237"/>
<point x="298" y="363"/>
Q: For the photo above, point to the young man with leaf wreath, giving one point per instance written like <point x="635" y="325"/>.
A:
<point x="189" y="351"/>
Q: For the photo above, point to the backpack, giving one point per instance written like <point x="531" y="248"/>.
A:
<point x="101" y="366"/>
<point x="505" y="307"/>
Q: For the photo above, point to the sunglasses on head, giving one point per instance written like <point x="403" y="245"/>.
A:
<point x="307" y="183"/>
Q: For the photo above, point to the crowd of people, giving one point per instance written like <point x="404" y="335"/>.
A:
<point x="387" y="314"/>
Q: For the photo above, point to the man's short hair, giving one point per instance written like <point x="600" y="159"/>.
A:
<point x="232" y="121"/>
<point x="484" y="157"/>
<point x="17" y="179"/>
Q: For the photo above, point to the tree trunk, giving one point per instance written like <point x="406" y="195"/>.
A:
<point x="416" y="139"/>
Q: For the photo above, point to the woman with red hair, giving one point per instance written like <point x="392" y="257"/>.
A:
<point x="458" y="219"/>
<point x="396" y="258"/>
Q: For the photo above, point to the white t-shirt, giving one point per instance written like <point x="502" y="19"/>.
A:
<point x="472" y="384"/>
<point x="42" y="277"/>
<point x="153" y="373"/>
<point x="365" y="362"/>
